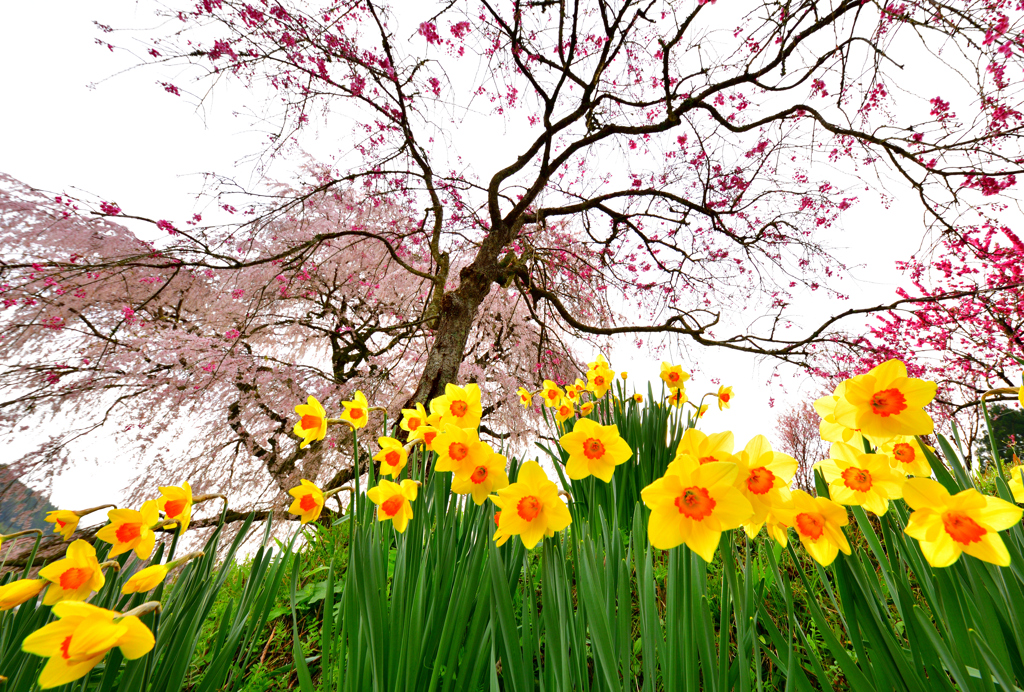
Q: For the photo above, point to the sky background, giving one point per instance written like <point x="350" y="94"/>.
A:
<point x="78" y="119"/>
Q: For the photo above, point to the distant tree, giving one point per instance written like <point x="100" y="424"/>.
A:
<point x="198" y="369"/>
<point x="1008" y="430"/>
<point x="798" y="436"/>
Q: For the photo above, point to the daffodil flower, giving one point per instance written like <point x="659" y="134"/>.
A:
<point x="594" y="449"/>
<point x="763" y="475"/>
<point x="17" y="592"/>
<point x="131" y="529"/>
<point x="312" y="426"/>
<point x="483" y="479"/>
<point x="356" y="411"/>
<point x="673" y="375"/>
<point x="392" y="456"/>
<point x="884" y="403"/>
<point x="819" y="523"/>
<point x="693" y="504"/>
<point x="531" y="507"/>
<point x="947" y="525"/>
<point x="394" y="502"/>
<point x="75" y="577"/>
<point x="309" y="501"/>
<point x="81" y="637"/>
<point x="459" y="406"/>
<point x="856" y="478"/>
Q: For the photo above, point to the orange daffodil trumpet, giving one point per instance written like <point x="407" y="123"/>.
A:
<point x="20" y="591"/>
<point x="75" y="577"/>
<point x="856" y="478"/>
<point x="131" y="529"/>
<point x="594" y="449"/>
<point x="394" y="502"/>
<point x="819" y="523"/>
<point x="82" y="635"/>
<point x="884" y="403"/>
<point x="312" y="425"/>
<point x="947" y="525"/>
<point x="483" y="479"/>
<point x="763" y="475"/>
<point x="65" y="522"/>
<point x="694" y="503"/>
<point x="530" y="508"/>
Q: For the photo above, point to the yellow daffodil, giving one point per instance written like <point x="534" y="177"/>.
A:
<point x="525" y="398"/>
<point x="673" y="375"/>
<point x="573" y="391"/>
<point x="131" y="529"/>
<point x="763" y="475"/>
<point x="308" y="503"/>
<point x="81" y="637"/>
<point x="906" y="455"/>
<point x="551" y="394"/>
<point x="694" y="504"/>
<point x="483" y="479"/>
<point x="819" y="523"/>
<point x="394" y="502"/>
<point x="459" y="406"/>
<point x="75" y="577"/>
<point x="724" y="397"/>
<point x="531" y="507"/>
<point x="856" y="478"/>
<point x="586" y="408"/>
<point x="20" y="591"/>
<point x="829" y="430"/>
<point x="312" y="426"/>
<point x="885" y="402"/>
<point x="459" y="449"/>
<point x="176" y="504"/>
<point x="564" y="411"/>
<point x="429" y="432"/>
<point x="638" y="398"/>
<point x="678" y="397"/>
<point x="703" y="409"/>
<point x="594" y="449"/>
<point x="145" y="579"/>
<point x="947" y="525"/>
<point x="774" y="524"/>
<point x="1016" y="483"/>
<point x="412" y="420"/>
<point x="392" y="456"/>
<point x="357" y="411"/>
<point x="624" y="375"/>
<point x="706" y="448"/>
<point x="599" y="377"/>
<point x="64" y="522"/>
<point x="148" y="578"/>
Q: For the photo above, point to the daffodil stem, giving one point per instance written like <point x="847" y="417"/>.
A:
<point x="184" y="558"/>
<point x="209" y="496"/>
<point x="21" y="533"/>
<point x="144" y="609"/>
<point x="83" y="512"/>
<point x="112" y="564"/>
<point x="340" y="489"/>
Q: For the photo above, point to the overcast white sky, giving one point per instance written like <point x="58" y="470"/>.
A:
<point x="76" y="119"/>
